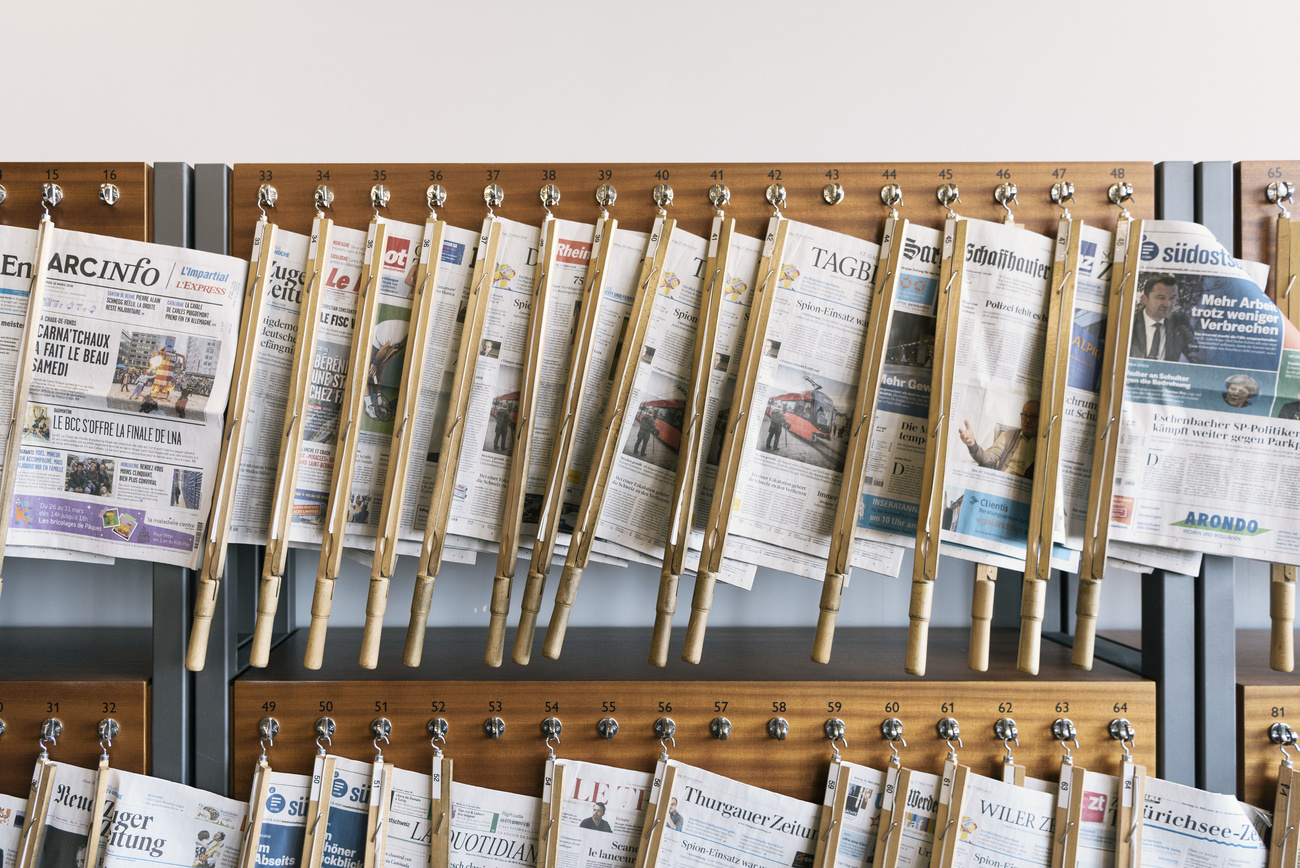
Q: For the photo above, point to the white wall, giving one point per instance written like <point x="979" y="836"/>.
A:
<point x="672" y="81"/>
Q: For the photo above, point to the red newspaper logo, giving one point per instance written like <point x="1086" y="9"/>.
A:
<point x="574" y="252"/>
<point x="1121" y="510"/>
<point x="397" y="252"/>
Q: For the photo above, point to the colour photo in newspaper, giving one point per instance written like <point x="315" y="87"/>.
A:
<point x="712" y="820"/>
<point x="1184" y="827"/>
<point x="601" y="813"/>
<point x="12" y="812"/>
<point x="148" y="821"/>
<point x="1002" y="825"/>
<point x="1209" y="456"/>
<point x="913" y="819"/>
<point x="1097" y="819"/>
<point x="493" y="829"/>
<point x="284" y="821"/>
<point x="134" y="352"/>
<point x="269" y="389"/>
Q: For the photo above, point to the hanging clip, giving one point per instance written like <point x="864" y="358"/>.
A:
<point x="719" y="195"/>
<point x="892" y="196"/>
<point x="493" y="195"/>
<point x="379" y="198"/>
<point x="1005" y="194"/>
<point x="1063" y="730"/>
<point x="1062" y="192"/>
<point x="1119" y="193"/>
<point x="834" y="729"/>
<point x="551" y="727"/>
<point x="51" y="196"/>
<point x="1005" y="729"/>
<point x="948" y="729"/>
<point x="663" y="196"/>
<point x="664" y="730"/>
<point x="266" y="196"/>
<point x="1122" y="731"/>
<point x="435" y="197"/>
<point x="380" y="728"/>
<point x="323" y="196"/>
<point x="1282" y="736"/>
<point x="550" y="196"/>
<point x="947" y="194"/>
<point x="605" y="196"/>
<point x="892" y="729"/>
<point x="775" y="196"/>
<point x="1279" y="193"/>
<point x="108" y="730"/>
<point x="437" y="728"/>
<point x="51" y="730"/>
<point x="324" y="730"/>
<point x="267" y="728"/>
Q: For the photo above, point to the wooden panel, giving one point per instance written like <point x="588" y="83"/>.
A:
<point x="80" y="677"/>
<point x="1256" y="216"/>
<point x="860" y="213"/>
<point x="1264" y="697"/>
<point x="81" y="209"/>
<point x="755" y="673"/>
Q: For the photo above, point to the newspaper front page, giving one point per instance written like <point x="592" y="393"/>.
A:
<point x="860" y="824"/>
<point x="1003" y="826"/>
<point x="284" y="821"/>
<point x="264" y="422"/>
<point x="349" y="812"/>
<point x="1183" y="827"/>
<point x="134" y="352"/>
<point x="1210" y="430"/>
<point x="914" y="819"/>
<point x="341" y="274"/>
<point x="712" y="820"/>
<point x="12" y="812"/>
<point x="997" y="383"/>
<point x="493" y="829"/>
<point x="797" y="437"/>
<point x="148" y="821"/>
<point x="601" y="812"/>
<point x="409" y="829"/>
<point x="1096" y="831"/>
<point x="67" y="822"/>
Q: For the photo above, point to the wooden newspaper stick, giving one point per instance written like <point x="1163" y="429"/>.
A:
<point x="1281" y="808"/>
<point x="1128" y="818"/>
<point x="403" y="440"/>
<point x="517" y="486"/>
<point x="453" y="436"/>
<point x="838" y="562"/>
<point x="440" y="833"/>
<point x="232" y="445"/>
<point x="1047" y="453"/>
<point x="286" y="484"/>
<point x="256" y="814"/>
<point x="733" y="441"/>
<point x="925" y="565"/>
<point x="681" y="512"/>
<point x="345" y="446"/>
<point x="981" y="617"/>
<point x="898" y="781"/>
<point x="597" y="482"/>
<point x="1281" y="607"/>
<point x="23" y="384"/>
<point x="1101" y="486"/>
<point x="97" y="810"/>
<point x="562" y="443"/>
<point x="38" y="808"/>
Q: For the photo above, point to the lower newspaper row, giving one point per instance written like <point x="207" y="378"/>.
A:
<point x="357" y="814"/>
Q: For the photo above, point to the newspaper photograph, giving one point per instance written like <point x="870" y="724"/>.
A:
<point x="1183" y="827"/>
<point x="645" y="466"/>
<point x="855" y="836"/>
<point x="493" y="829"/>
<point x="134" y="353"/>
<point x="148" y="821"/>
<point x="349" y="812"/>
<point x="279" y="840"/>
<point x="409" y="829"/>
<point x="12" y="812"/>
<point x="601" y="812"/>
<point x="264" y="422"/>
<point x="712" y="820"/>
<point x="1003" y="826"/>
<point x="797" y="437"/>
<point x="997" y="382"/>
<point x="1210" y="427"/>
<point x="329" y="370"/>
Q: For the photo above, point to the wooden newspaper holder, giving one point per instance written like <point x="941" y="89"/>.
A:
<point x="1276" y="181"/>
<point x="1266" y="698"/>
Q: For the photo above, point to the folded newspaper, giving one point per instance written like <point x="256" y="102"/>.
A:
<point x="707" y="820"/>
<point x="148" y="821"/>
<point x="601" y="811"/>
<point x="493" y="829"/>
<point x="134" y="353"/>
<point x="64" y="830"/>
<point x="1183" y="827"/>
<point x="1000" y="825"/>
<point x="854" y="795"/>
<point x="409" y="830"/>
<point x="347" y="816"/>
<point x="279" y="836"/>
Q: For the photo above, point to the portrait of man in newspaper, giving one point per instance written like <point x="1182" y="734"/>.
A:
<point x="1160" y="330"/>
<point x="675" y="820"/>
<point x="597" y="819"/>
<point x="1012" y="449"/>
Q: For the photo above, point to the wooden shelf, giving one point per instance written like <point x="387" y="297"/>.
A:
<point x="1264" y="697"/>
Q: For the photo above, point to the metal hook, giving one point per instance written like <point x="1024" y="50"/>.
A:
<point x="892" y="196"/>
<point x="665" y="728"/>
<point x="380" y="728"/>
<point x="493" y="195"/>
<point x="324" y="730"/>
<point x="379" y="197"/>
<point x="1122" y="731"/>
<point x="892" y="729"/>
<point x="551" y="727"/>
<point x="948" y="728"/>
<point x="775" y="196"/>
<point x="550" y="196"/>
<point x="663" y="196"/>
<point x="437" y="728"/>
<point x="1279" y="193"/>
<point x="1119" y="193"/>
<point x="266" y="196"/>
<point x="435" y="197"/>
<point x="833" y="193"/>
<point x="1285" y="835"/>
<point x="1063" y="730"/>
<point x="834" y="729"/>
<point x="1005" y="729"/>
<point x="605" y="197"/>
<point x="947" y="194"/>
<point x="51" y="730"/>
<point x="1063" y="192"/>
<point x="51" y="196"/>
<point x="1282" y="735"/>
<point x="268" y="728"/>
<point x="108" y="730"/>
<point x="719" y="195"/>
<point x="323" y="196"/>
<point x="1005" y="194"/>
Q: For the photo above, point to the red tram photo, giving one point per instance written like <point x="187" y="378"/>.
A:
<point x="809" y="414"/>
<point x="507" y="403"/>
<point x="669" y="415"/>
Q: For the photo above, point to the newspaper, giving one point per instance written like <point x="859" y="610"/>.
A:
<point x="601" y="812"/>
<point x="493" y="829"/>
<point x="128" y="330"/>
<point x="409" y="829"/>
<point x="1183" y="827"/>
<point x="712" y="820"/>
<point x="284" y="823"/>
<point x="67" y="821"/>
<point x="1002" y="825"/>
<point x="1210" y="427"/>
<point x="855" y="835"/>
<point x="12" y="812"/>
<point x="997" y="383"/>
<point x="349" y="812"/>
<point x="1096" y="830"/>
<point x="797" y="437"/>
<point x="914" y="819"/>
<point x="148" y="821"/>
<point x="264" y="421"/>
